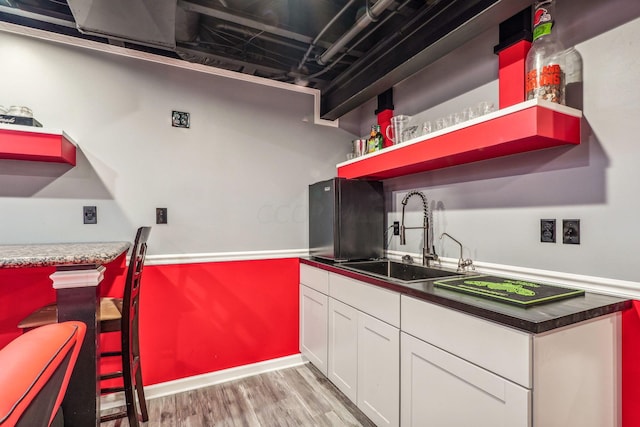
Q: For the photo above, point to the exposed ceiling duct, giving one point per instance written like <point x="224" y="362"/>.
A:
<point x="187" y="25"/>
<point x="148" y="22"/>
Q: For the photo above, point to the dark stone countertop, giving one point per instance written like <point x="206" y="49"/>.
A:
<point x="535" y="319"/>
<point x="60" y="254"/>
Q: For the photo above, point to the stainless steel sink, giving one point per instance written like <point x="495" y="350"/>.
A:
<point x="397" y="270"/>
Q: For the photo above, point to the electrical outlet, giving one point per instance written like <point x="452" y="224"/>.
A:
<point x="161" y="215"/>
<point x="548" y="230"/>
<point x="90" y="214"/>
<point x="396" y="228"/>
<point x="571" y="231"/>
<point x="180" y="119"/>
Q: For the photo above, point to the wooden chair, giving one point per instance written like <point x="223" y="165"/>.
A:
<point x="130" y="347"/>
<point x="118" y="314"/>
<point x="35" y="373"/>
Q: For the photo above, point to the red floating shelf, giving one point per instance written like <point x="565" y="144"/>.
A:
<point x="528" y="126"/>
<point x="36" y="144"/>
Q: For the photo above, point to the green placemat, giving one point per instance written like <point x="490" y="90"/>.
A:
<point x="513" y="291"/>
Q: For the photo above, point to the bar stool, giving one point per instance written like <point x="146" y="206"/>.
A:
<point x="129" y="351"/>
<point x="36" y="368"/>
<point x="118" y="314"/>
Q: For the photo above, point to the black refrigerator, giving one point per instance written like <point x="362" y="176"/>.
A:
<point x="346" y="219"/>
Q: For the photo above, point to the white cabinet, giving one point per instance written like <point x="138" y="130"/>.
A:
<point x="314" y="286"/>
<point x="364" y="362"/>
<point x="343" y="348"/>
<point x="497" y="348"/>
<point x="459" y="370"/>
<point x="447" y="368"/>
<point x="440" y="389"/>
<point x="378" y="370"/>
<point x="364" y="351"/>
<point x="576" y="375"/>
<point x="313" y="327"/>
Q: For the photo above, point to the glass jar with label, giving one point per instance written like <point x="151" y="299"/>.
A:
<point x="545" y="78"/>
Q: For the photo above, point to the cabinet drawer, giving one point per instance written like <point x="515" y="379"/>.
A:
<point x="377" y="302"/>
<point x="314" y="278"/>
<point x="499" y="349"/>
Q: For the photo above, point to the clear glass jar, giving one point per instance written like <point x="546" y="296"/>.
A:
<point x="20" y="111"/>
<point x="573" y="78"/>
<point x="545" y="62"/>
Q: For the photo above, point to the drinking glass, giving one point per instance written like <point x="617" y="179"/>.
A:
<point x="409" y="133"/>
<point x="485" y="108"/>
<point x="451" y="119"/>
<point x="441" y="123"/>
<point x="472" y="113"/>
<point x="359" y="147"/>
<point x="461" y="116"/>
<point x="21" y="111"/>
<point x="426" y="128"/>
<point x="398" y="124"/>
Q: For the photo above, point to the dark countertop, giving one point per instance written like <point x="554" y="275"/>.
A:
<point x="60" y="254"/>
<point x="535" y="319"/>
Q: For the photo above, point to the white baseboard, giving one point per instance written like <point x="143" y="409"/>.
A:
<point x="205" y="380"/>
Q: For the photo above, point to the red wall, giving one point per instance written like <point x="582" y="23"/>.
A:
<point x="199" y="318"/>
<point x="21" y="291"/>
<point x="194" y="318"/>
<point x="631" y="366"/>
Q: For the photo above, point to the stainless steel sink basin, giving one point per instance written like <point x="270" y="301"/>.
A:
<point x="397" y="270"/>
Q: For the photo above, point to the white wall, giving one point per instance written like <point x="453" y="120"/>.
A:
<point x="494" y="207"/>
<point x="235" y="181"/>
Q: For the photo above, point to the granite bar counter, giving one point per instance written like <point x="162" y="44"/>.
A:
<point x="79" y="271"/>
<point x="535" y="319"/>
<point x="60" y="254"/>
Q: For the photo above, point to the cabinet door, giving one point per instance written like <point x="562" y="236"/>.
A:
<point x="313" y="327"/>
<point x="378" y="370"/>
<point x="440" y="389"/>
<point x="343" y="347"/>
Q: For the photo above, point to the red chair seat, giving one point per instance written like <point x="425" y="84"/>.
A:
<point x="35" y="372"/>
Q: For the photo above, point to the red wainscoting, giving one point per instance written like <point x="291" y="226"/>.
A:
<point x="631" y="366"/>
<point x="200" y="318"/>
<point x="22" y="290"/>
<point x="194" y="318"/>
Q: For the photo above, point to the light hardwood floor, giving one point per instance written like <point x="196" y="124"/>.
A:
<point x="298" y="396"/>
